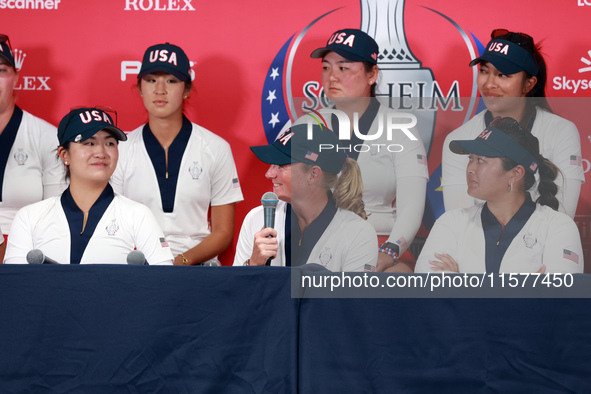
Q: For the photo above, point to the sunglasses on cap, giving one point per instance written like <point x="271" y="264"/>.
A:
<point x="4" y="39"/>
<point x="506" y="123"/>
<point x="515" y="37"/>
<point x="103" y="108"/>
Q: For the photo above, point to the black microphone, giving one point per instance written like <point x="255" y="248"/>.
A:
<point x="135" y="257"/>
<point x="269" y="201"/>
<point x="36" y="256"/>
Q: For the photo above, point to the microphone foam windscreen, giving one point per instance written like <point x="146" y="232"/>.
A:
<point x="35" y="256"/>
<point x="135" y="257"/>
<point x="269" y="200"/>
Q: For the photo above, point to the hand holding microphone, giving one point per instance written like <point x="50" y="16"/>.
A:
<point x="265" y="241"/>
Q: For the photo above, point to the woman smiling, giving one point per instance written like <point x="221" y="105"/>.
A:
<point x="88" y="223"/>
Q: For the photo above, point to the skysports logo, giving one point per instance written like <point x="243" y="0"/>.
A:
<point x="28" y="82"/>
<point x="563" y="83"/>
<point x="389" y="122"/>
<point x="132" y="67"/>
<point x="158" y="5"/>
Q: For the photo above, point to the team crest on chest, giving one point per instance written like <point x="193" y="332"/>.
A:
<point x="325" y="256"/>
<point x="21" y="157"/>
<point x="530" y="240"/>
<point x="195" y="170"/>
<point x="113" y="227"/>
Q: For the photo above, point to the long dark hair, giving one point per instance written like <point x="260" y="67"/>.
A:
<point x="537" y="94"/>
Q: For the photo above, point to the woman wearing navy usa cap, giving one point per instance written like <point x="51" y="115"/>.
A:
<point x="179" y="169"/>
<point x="512" y="80"/>
<point x="88" y="223"/>
<point x="394" y="179"/>
<point x="29" y="169"/>
<point x="320" y="217"/>
<point x="510" y="231"/>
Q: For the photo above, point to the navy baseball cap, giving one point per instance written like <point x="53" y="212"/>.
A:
<point x="493" y="142"/>
<point x="508" y="58"/>
<point x="168" y="58"/>
<point x="5" y="50"/>
<point x="82" y="123"/>
<point x="352" y="44"/>
<point x="294" y="146"/>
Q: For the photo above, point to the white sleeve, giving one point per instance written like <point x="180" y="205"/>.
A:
<point x="561" y="144"/>
<point x="20" y="239"/>
<point x="362" y="252"/>
<point x="116" y="180"/>
<point x="149" y="238"/>
<point x="568" y="195"/>
<point x="441" y="239"/>
<point x="245" y="242"/>
<point x="54" y="182"/>
<point x="563" y="251"/>
<point x="410" y="205"/>
<point x="225" y="187"/>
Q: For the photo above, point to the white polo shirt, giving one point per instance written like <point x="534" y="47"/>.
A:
<point x="33" y="171"/>
<point x="123" y="226"/>
<point x="559" y="142"/>
<point x="382" y="163"/>
<point x="548" y="237"/>
<point x="348" y="244"/>
<point x="207" y="176"/>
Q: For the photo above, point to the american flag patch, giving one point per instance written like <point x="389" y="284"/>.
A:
<point x="421" y="159"/>
<point x="401" y="242"/>
<point x="163" y="243"/>
<point x="369" y="268"/>
<point x="575" y="160"/>
<point x="570" y="255"/>
<point x="533" y="166"/>
<point x="311" y="156"/>
<point x="235" y="183"/>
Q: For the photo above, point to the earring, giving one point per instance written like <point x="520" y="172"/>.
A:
<point x="66" y="162"/>
<point x="186" y="97"/>
<point x="510" y="188"/>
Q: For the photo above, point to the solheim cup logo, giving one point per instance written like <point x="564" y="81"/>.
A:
<point x="384" y="21"/>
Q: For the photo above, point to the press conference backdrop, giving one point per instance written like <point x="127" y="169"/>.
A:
<point x="251" y="62"/>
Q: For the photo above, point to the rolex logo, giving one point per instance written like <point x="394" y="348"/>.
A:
<point x="28" y="82"/>
<point x="19" y="58"/>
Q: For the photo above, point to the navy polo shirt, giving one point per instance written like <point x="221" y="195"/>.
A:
<point x="497" y="239"/>
<point x="302" y="244"/>
<point x="79" y="239"/>
<point x="7" y="139"/>
<point x="167" y="180"/>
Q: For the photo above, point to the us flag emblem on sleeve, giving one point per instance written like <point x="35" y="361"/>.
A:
<point x="570" y="255"/>
<point x="235" y="183"/>
<point x="163" y="242"/>
<point x="369" y="268"/>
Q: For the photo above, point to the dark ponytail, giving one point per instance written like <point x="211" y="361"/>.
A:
<point x="547" y="188"/>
